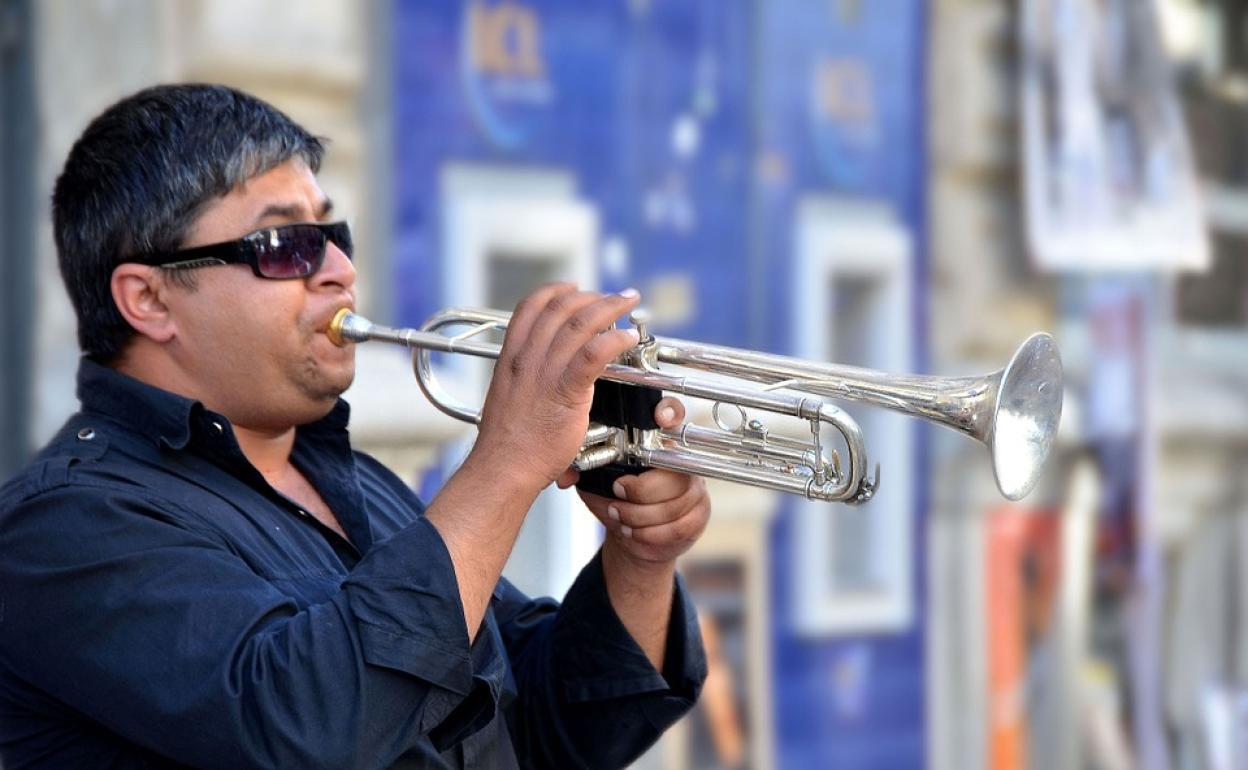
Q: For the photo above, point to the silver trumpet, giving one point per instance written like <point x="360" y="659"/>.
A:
<point x="1014" y="411"/>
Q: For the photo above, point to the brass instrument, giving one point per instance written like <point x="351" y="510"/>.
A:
<point x="1013" y="411"/>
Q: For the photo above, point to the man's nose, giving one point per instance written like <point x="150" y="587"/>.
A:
<point x="336" y="270"/>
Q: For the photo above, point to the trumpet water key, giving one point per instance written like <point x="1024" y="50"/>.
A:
<point x="1014" y="411"/>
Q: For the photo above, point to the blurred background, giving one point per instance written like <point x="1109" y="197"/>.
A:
<point x="905" y="185"/>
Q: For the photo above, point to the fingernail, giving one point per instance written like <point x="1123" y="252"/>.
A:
<point x="626" y="531"/>
<point x="634" y="334"/>
<point x="629" y="293"/>
<point x="667" y="413"/>
<point x="618" y="488"/>
<point x="613" y="512"/>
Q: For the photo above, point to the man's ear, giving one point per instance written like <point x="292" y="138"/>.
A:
<point x="138" y="291"/>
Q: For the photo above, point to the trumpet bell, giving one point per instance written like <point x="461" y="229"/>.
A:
<point x="1028" y="411"/>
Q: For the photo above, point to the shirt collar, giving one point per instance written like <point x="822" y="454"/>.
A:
<point x="155" y="413"/>
<point x="160" y="415"/>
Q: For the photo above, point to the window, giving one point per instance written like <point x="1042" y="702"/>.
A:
<point x="506" y="231"/>
<point x="853" y="305"/>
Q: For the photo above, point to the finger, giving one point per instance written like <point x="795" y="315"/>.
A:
<point x="589" y="320"/>
<point x="589" y="362"/>
<point x="634" y="515"/>
<point x="683" y="530"/>
<point x="529" y="356"/>
<point x="644" y="515"/>
<point x="561" y="311"/>
<point x="654" y="486"/>
<point x="516" y="356"/>
<point x="568" y="478"/>
<point x="669" y="412"/>
<point x="607" y="514"/>
<point x="529" y="308"/>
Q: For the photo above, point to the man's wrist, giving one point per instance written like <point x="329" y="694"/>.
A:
<point x="641" y="593"/>
<point x="504" y="471"/>
<point x="634" y="570"/>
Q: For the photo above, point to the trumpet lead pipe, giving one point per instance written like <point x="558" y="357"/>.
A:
<point x="347" y="327"/>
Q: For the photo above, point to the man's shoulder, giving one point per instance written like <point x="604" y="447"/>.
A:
<point x="75" y="443"/>
<point x="85" y="460"/>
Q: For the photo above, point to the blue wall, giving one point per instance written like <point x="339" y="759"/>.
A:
<point x="601" y="96"/>
<point x="613" y="82"/>
<point x="868" y="143"/>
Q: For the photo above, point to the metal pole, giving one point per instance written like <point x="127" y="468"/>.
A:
<point x="377" y="105"/>
<point x="18" y="145"/>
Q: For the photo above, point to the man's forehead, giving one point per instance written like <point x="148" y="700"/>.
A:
<point x="286" y="193"/>
<point x="303" y="211"/>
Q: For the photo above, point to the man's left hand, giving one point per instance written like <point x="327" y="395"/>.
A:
<point x="658" y="514"/>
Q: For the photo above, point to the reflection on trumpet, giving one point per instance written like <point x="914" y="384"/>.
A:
<point x="1014" y="411"/>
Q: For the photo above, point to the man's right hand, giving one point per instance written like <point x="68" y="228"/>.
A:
<point x="532" y="425"/>
<point x="537" y="409"/>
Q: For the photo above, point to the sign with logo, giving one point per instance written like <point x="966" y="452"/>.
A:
<point x="504" y="69"/>
<point x="843" y="116"/>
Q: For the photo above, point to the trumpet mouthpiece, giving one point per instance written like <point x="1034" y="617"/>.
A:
<point x="338" y="325"/>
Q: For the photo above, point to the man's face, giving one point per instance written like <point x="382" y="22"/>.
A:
<point x="255" y="348"/>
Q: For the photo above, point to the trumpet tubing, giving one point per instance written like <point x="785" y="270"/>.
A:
<point x="1014" y="411"/>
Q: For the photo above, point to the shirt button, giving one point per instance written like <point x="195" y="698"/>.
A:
<point x="217" y="428"/>
<point x="86" y="434"/>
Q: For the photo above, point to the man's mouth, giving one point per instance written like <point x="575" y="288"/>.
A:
<point x="322" y="325"/>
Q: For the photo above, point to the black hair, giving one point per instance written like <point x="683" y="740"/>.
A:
<point x="140" y="175"/>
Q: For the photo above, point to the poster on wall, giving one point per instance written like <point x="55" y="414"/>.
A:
<point x="1108" y="178"/>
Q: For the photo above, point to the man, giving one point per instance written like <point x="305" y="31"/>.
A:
<point x="199" y="571"/>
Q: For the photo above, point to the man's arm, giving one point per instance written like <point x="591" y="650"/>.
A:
<point x="532" y="425"/>
<point x="125" y="607"/>
<point x="657" y="516"/>
<point x="587" y="695"/>
<point x="641" y="595"/>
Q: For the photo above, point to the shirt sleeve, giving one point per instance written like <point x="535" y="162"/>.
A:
<point x="138" y="617"/>
<point x="587" y="694"/>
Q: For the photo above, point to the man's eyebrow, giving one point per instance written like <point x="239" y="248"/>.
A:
<point x="293" y="211"/>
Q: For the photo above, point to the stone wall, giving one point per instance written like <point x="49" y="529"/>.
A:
<point x="312" y="59"/>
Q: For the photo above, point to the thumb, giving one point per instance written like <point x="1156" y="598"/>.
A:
<point x="669" y="412"/>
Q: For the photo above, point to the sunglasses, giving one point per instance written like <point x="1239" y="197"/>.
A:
<point x="289" y="251"/>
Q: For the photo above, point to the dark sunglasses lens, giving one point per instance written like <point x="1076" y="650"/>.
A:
<point x="340" y="234"/>
<point x="290" y="252"/>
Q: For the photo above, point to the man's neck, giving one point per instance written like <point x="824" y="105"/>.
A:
<point x="267" y="450"/>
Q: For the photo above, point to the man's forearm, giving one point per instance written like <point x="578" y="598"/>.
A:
<point x="641" y="594"/>
<point x="531" y="426"/>
<point x="478" y="513"/>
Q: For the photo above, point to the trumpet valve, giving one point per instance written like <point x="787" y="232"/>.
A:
<point x="640" y="319"/>
<point x="596" y="457"/>
<point x="597" y="434"/>
<point x="645" y="355"/>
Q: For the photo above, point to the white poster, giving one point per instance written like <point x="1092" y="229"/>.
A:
<point x="1109" y="182"/>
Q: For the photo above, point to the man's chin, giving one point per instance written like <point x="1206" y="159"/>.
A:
<point x="324" y="383"/>
<point x="339" y="371"/>
<point x="319" y="403"/>
<point x="337" y="382"/>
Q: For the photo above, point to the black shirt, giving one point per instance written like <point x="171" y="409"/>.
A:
<point x="162" y="604"/>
